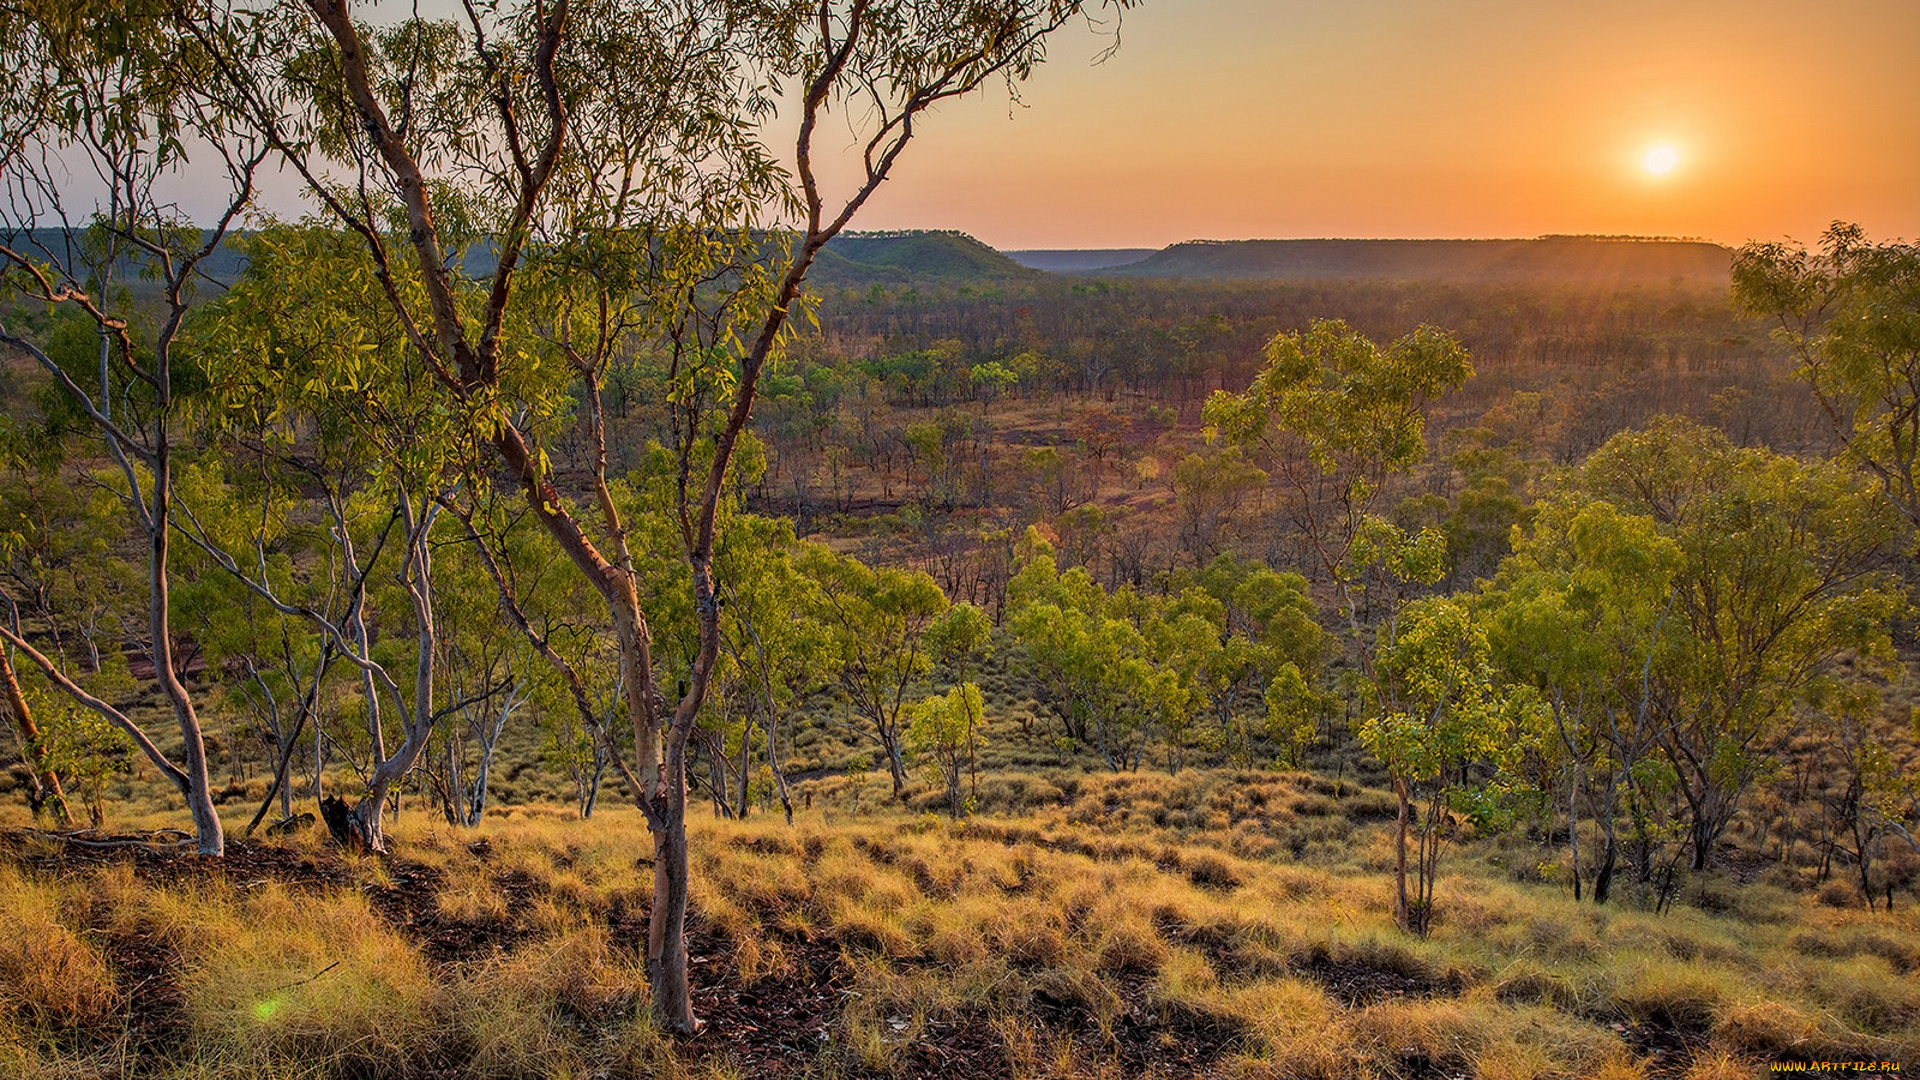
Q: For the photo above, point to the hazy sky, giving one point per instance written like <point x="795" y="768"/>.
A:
<point x="1439" y="118"/>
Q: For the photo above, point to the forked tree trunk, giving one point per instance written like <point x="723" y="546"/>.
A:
<point x="367" y="818"/>
<point x="1603" y="878"/>
<point x="1701" y="833"/>
<point x="951" y="767"/>
<point x="417" y="577"/>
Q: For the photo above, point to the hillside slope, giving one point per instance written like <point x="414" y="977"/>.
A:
<point x="864" y="258"/>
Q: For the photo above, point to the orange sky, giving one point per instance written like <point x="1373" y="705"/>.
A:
<point x="1439" y="118"/>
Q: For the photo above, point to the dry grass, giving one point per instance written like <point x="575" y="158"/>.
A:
<point x="1106" y="903"/>
<point x="537" y="997"/>
<point x="49" y="976"/>
<point x="274" y="976"/>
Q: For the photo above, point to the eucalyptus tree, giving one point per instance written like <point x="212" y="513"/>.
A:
<point x="945" y="727"/>
<point x="537" y="189"/>
<point x="112" y="95"/>
<point x="1334" y="417"/>
<point x="1850" y="312"/>
<point x="1294" y="711"/>
<point x="877" y="620"/>
<point x="1189" y="650"/>
<point x="959" y="637"/>
<point x="1442" y="710"/>
<point x="1581" y="611"/>
<point x="1784" y="596"/>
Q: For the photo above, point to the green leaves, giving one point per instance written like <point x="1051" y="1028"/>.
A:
<point x="1445" y="707"/>
<point x="1350" y="406"/>
<point x="1685" y="598"/>
<point x="1420" y="558"/>
<point x="1851" y="313"/>
<point x="1293" y="713"/>
<point x="941" y="725"/>
<point x="1338" y="416"/>
<point x="1121" y="667"/>
<point x="960" y="634"/>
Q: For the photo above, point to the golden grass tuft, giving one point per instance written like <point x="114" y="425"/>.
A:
<point x="872" y="927"/>
<point x="1527" y="982"/>
<point x="1297" y="1031"/>
<point x="1768" y="1030"/>
<point x="49" y="977"/>
<point x="1676" y="994"/>
<point x="280" y="977"/>
<point x="1029" y="931"/>
<point x="1129" y="946"/>
<point x="517" y="1014"/>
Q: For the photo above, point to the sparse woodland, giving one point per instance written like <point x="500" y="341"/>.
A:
<point x="506" y="619"/>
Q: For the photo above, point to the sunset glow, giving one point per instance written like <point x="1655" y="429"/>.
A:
<point x="1226" y="119"/>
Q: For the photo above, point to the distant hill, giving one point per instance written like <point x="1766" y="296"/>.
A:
<point x="854" y="259"/>
<point x="850" y="260"/>
<point x="1571" y="259"/>
<point x="1079" y="261"/>
<point x="64" y="246"/>
<point x="858" y="260"/>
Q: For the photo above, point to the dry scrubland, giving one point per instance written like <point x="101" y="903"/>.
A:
<point x="1215" y="923"/>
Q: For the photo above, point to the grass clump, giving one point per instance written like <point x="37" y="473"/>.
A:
<point x="1669" y="993"/>
<point x="519" y="1013"/>
<point x="285" y="977"/>
<point x="49" y="976"/>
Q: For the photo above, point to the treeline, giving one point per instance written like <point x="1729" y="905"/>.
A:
<point x="1177" y="342"/>
<point x="1679" y="640"/>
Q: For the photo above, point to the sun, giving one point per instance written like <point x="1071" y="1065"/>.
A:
<point x="1660" y="160"/>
